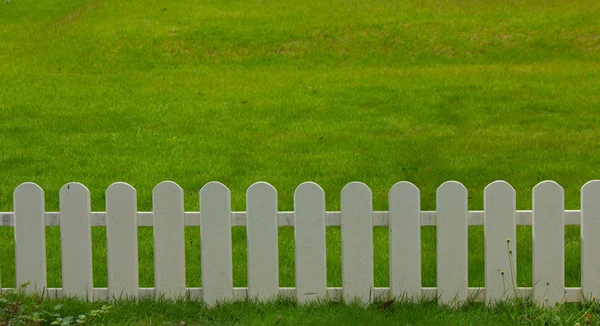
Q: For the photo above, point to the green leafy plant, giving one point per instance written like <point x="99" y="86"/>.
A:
<point x="17" y="308"/>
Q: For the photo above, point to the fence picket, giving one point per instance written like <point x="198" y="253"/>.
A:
<point x="309" y="234"/>
<point x="590" y="242"/>
<point x="30" y="237"/>
<point x="76" y="241"/>
<point x="405" y="240"/>
<point x="500" y="216"/>
<point x="262" y="231"/>
<point x="216" y="247"/>
<point x="548" y="265"/>
<point x="121" y="241"/>
<point x="169" y="250"/>
<point x="357" y="242"/>
<point x="452" y="243"/>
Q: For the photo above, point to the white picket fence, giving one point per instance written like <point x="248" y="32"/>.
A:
<point x="310" y="220"/>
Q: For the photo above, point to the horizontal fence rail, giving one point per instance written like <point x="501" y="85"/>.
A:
<point x="309" y="219"/>
<point x="476" y="294"/>
<point x="286" y="218"/>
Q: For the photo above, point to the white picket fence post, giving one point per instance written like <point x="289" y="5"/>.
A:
<point x="262" y="230"/>
<point x="357" y="242"/>
<point x="452" y="243"/>
<point x="215" y="238"/>
<point x="405" y="240"/>
<point x="590" y="239"/>
<point x="548" y="259"/>
<point x="169" y="244"/>
<point x="310" y="246"/>
<point x="122" y="241"/>
<point x="76" y="241"/>
<point x="262" y="220"/>
<point x="500" y="227"/>
<point x="30" y="237"/>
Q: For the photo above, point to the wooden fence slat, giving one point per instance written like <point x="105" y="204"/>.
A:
<point x="30" y="237"/>
<point x="500" y="215"/>
<point x="309" y="235"/>
<point x="405" y="240"/>
<point x="121" y="241"/>
<point x="215" y="243"/>
<point x="76" y="241"/>
<point x="262" y="231"/>
<point x="357" y="242"/>
<point x="452" y="243"/>
<point x="590" y="241"/>
<point x="169" y="250"/>
<point x="548" y="264"/>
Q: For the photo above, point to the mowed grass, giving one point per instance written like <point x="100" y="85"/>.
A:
<point x="328" y="91"/>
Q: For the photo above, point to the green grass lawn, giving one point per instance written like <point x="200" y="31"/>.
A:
<point x="99" y="91"/>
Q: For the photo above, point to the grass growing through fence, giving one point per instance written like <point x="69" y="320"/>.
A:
<point x="285" y="312"/>
<point x="99" y="91"/>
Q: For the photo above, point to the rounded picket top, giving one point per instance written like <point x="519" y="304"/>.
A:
<point x="308" y="188"/>
<point x="592" y="186"/>
<point x="215" y="187"/>
<point x="73" y="187"/>
<point x="28" y="189"/>
<point x="118" y="189"/>
<point x="405" y="188"/>
<point x="356" y="188"/>
<point x="259" y="191"/>
<point x="261" y="186"/>
<point x="499" y="186"/>
<point x="167" y="186"/>
<point x="547" y="191"/>
<point x="547" y="185"/>
<point x="590" y="194"/>
<point x="73" y="192"/>
<point x="450" y="187"/>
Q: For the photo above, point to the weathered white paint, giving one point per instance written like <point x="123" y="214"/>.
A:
<point x="452" y="248"/>
<point x="500" y="241"/>
<point x="309" y="236"/>
<point x="215" y="235"/>
<point x="357" y="242"/>
<point x="548" y="264"/>
<point x="169" y="250"/>
<point x="76" y="241"/>
<point x="590" y="239"/>
<point x="30" y="237"/>
<point x="122" y="241"/>
<point x="405" y="240"/>
<point x="262" y="229"/>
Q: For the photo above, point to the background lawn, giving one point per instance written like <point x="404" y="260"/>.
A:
<point x="99" y="91"/>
